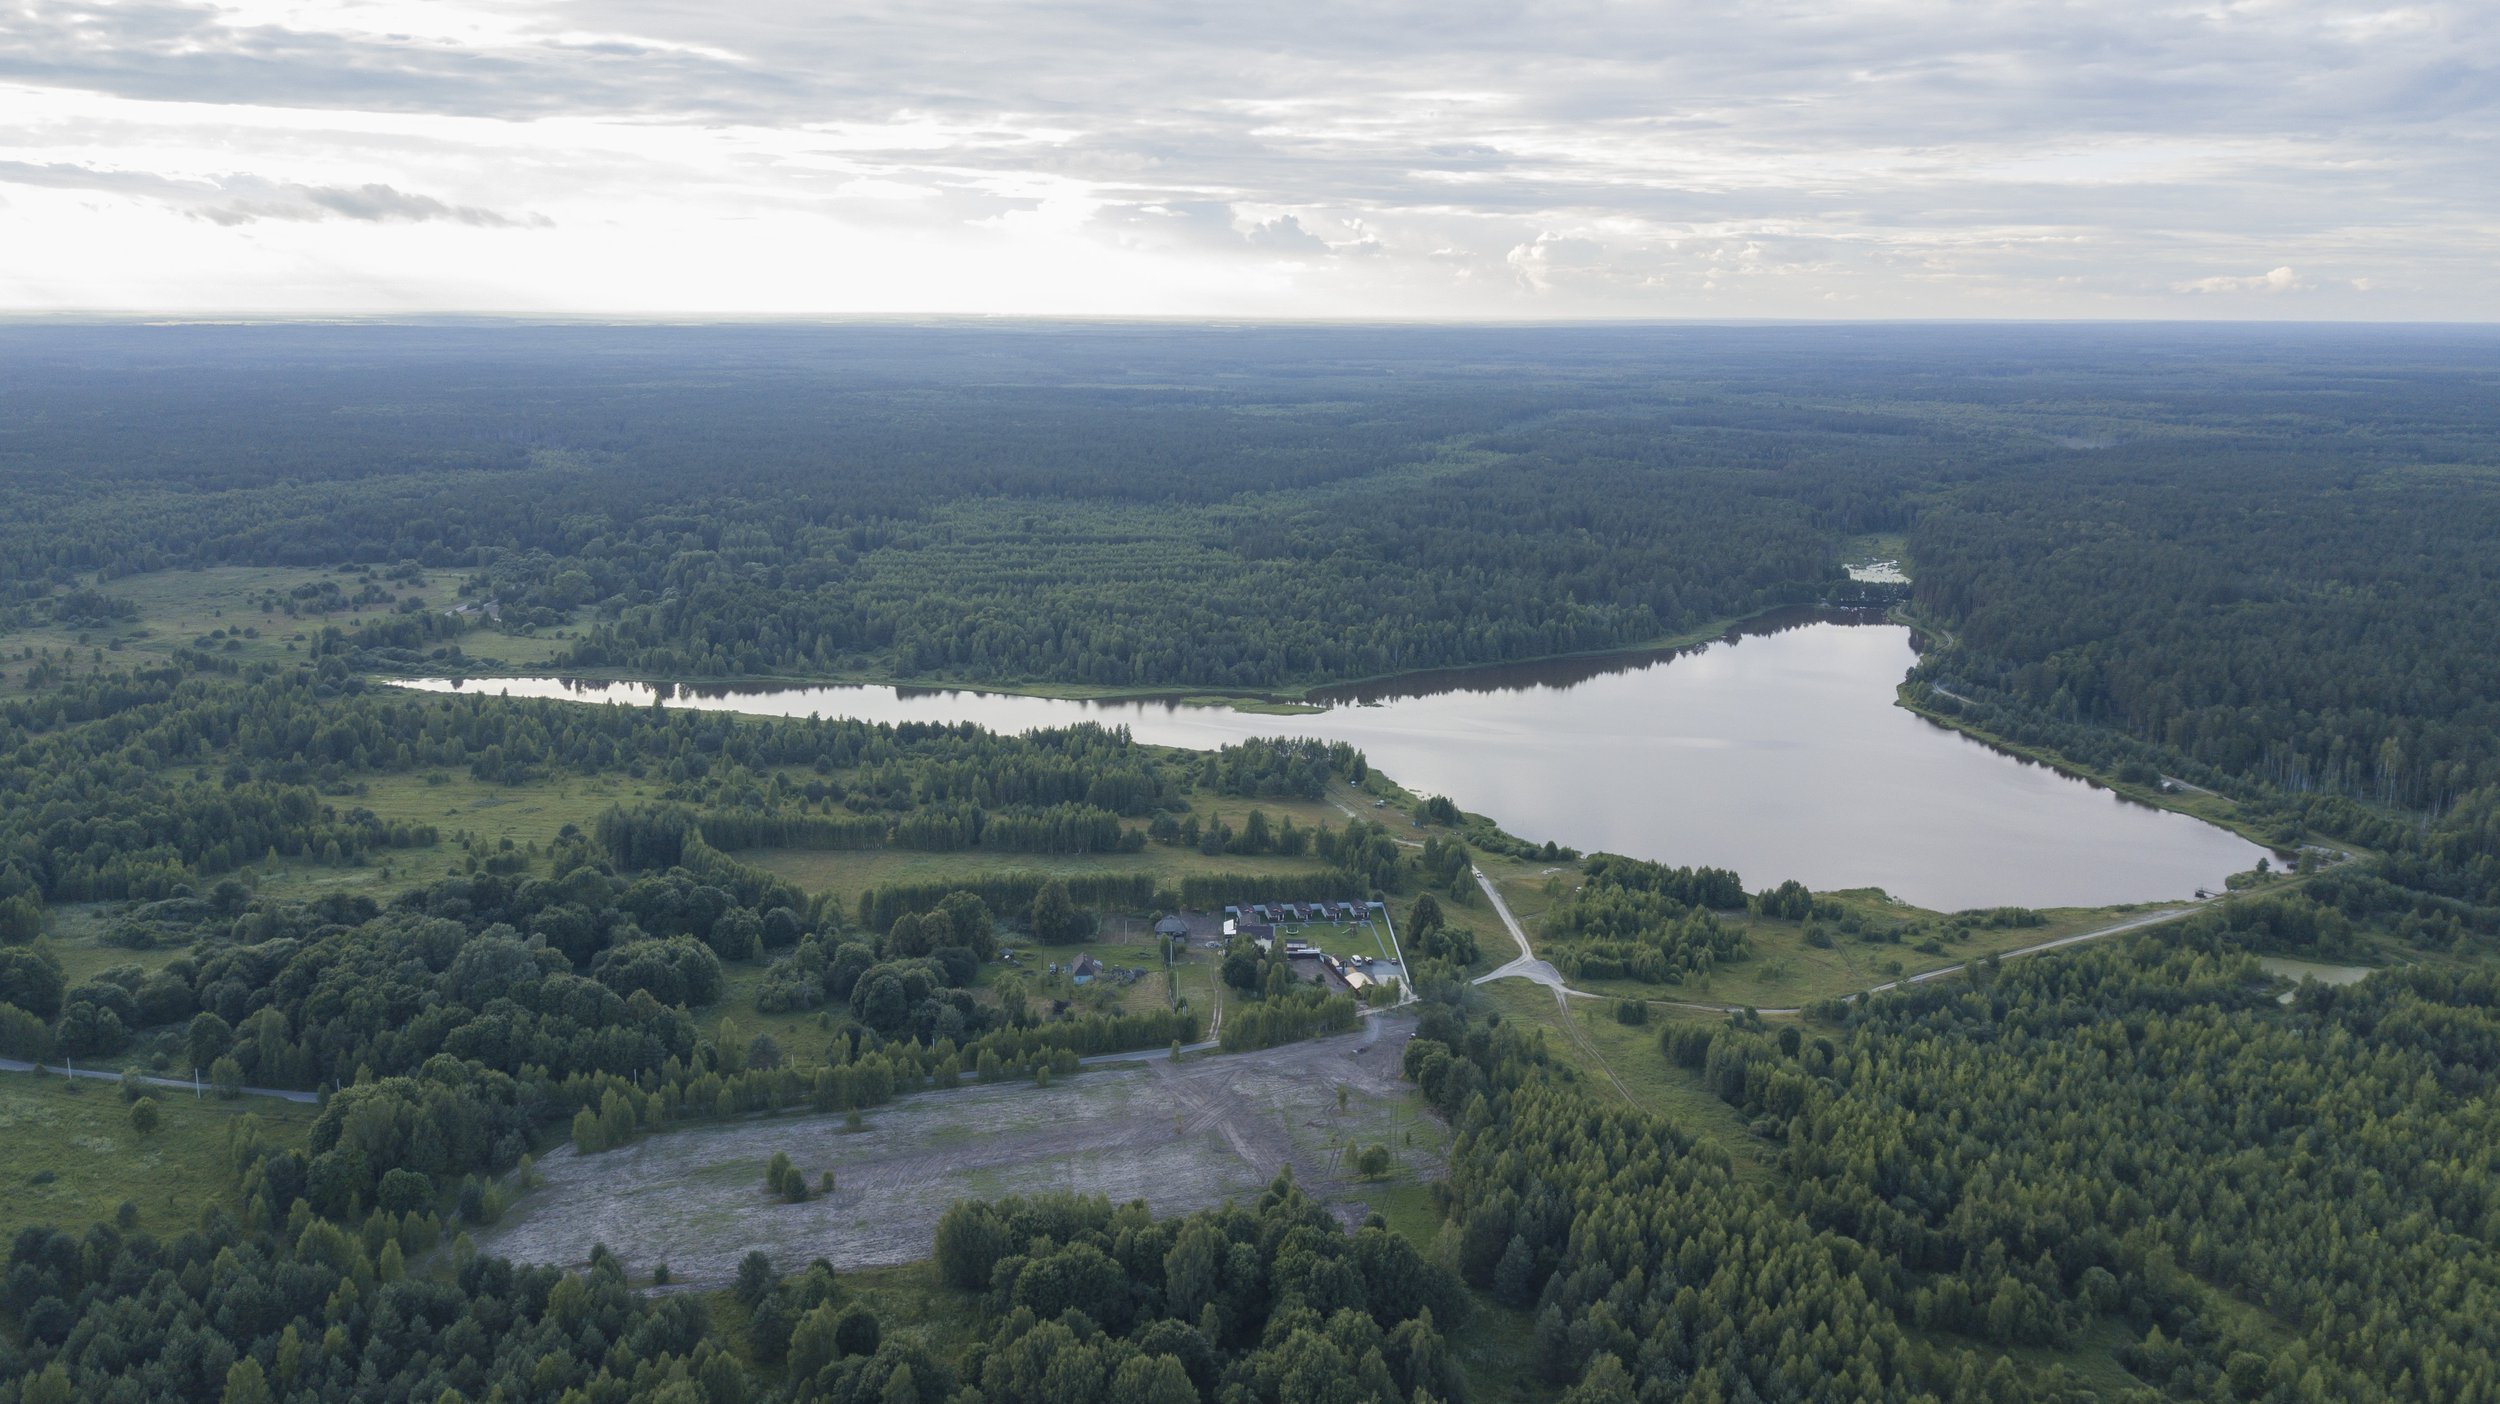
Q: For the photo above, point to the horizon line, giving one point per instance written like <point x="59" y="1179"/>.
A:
<point x="659" y="320"/>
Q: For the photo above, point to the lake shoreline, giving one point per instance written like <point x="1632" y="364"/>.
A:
<point x="1786" y="751"/>
<point x="1274" y="702"/>
<point x="2222" y="812"/>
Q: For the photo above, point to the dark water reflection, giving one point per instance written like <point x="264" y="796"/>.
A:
<point x="1778" y="753"/>
<point x="1560" y="673"/>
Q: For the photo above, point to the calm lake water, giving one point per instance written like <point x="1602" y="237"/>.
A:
<point x="1778" y="753"/>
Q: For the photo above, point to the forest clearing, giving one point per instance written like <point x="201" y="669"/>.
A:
<point x="1178" y="1136"/>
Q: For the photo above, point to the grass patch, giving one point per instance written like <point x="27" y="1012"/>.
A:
<point x="534" y="813"/>
<point x="95" y="1160"/>
<point x="1784" y="970"/>
<point x="219" y="609"/>
<point x="1618" y="1059"/>
<point x="1498" y="1352"/>
<point x="1409" y="1211"/>
<point x="800" y="1034"/>
<point x="852" y="872"/>
<point x="2091" y="1363"/>
<point x="1877" y="546"/>
<point x="80" y="938"/>
<point x="911" y="1304"/>
<point x="1344" y="938"/>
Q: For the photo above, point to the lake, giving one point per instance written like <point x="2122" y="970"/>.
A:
<point x="1777" y="752"/>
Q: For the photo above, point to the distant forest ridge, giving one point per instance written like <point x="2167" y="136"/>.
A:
<point x="2259" y="553"/>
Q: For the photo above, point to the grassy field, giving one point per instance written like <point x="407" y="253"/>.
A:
<point x="1626" y="1061"/>
<point x="1877" y="546"/>
<point x="1123" y="942"/>
<point x="70" y="1157"/>
<point x="456" y="805"/>
<point x="1784" y="971"/>
<point x="453" y="802"/>
<point x="81" y="937"/>
<point x="803" y="1035"/>
<point x="1345" y="938"/>
<point x="219" y="609"/>
<point x="850" y="872"/>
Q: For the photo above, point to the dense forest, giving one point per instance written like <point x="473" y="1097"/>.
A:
<point x="134" y="785"/>
<point x="2099" y="1135"/>
<point x="2269" y="1200"/>
<point x="2212" y="550"/>
<point x="2256" y="562"/>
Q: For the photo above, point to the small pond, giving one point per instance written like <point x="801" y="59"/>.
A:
<point x="1777" y="752"/>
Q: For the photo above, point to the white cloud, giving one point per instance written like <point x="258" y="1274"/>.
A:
<point x="1467" y="158"/>
<point x="242" y="198"/>
<point x="2274" y="280"/>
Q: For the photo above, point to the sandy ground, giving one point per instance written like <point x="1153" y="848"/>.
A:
<point x="1180" y="1137"/>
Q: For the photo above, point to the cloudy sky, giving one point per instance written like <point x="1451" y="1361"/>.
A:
<point x="2275" y="158"/>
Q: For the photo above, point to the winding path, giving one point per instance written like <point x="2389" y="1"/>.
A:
<point x="1526" y="966"/>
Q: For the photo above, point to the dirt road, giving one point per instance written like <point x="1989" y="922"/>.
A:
<point x="173" y="1083"/>
<point x="1526" y="966"/>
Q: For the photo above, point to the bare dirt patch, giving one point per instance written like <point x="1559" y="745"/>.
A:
<point x="1179" y="1137"/>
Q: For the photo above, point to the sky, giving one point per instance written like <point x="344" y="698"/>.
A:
<point x="1450" y="160"/>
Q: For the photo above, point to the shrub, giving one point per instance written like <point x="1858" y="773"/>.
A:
<point x="786" y="1179"/>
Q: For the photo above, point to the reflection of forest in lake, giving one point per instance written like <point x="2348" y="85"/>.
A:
<point x="1777" y="752"/>
<point x="1559" y="673"/>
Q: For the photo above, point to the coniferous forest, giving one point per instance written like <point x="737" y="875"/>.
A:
<point x="2261" y="566"/>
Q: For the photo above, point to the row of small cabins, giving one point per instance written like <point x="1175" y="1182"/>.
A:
<point x="1259" y="920"/>
<point x="1271" y="913"/>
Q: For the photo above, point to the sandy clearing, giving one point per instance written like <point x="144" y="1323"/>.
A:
<point x="1179" y="1137"/>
